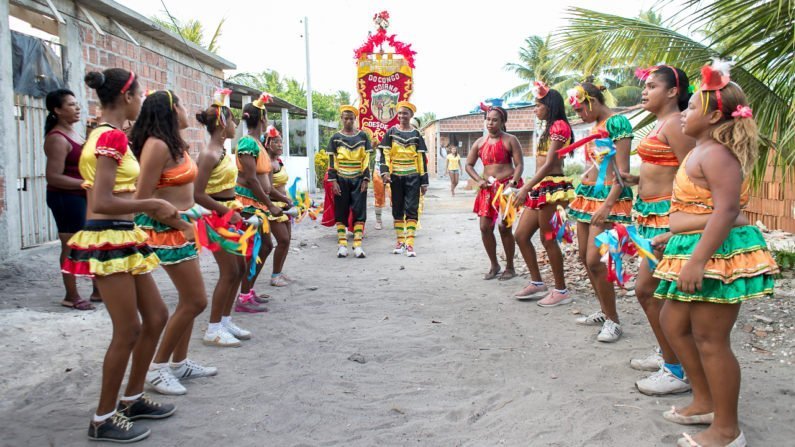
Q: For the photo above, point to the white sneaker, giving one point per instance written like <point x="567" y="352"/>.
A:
<point x="192" y="370"/>
<point x="662" y="383"/>
<point x="410" y="252"/>
<point x="221" y="338"/>
<point x="358" y="252"/>
<point x="237" y="331"/>
<point x="611" y="332"/>
<point x="164" y="382"/>
<point x="399" y="249"/>
<point x="342" y="252"/>
<point x="594" y="319"/>
<point x="651" y="363"/>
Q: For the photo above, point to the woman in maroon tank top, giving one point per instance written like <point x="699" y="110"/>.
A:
<point x="65" y="195"/>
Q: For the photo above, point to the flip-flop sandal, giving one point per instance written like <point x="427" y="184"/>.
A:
<point x="491" y="274"/>
<point x="78" y="305"/>
<point x="697" y="419"/>
<point x="507" y="274"/>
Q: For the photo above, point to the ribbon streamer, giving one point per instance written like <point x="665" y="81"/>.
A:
<point x="619" y="241"/>
<point x="562" y="228"/>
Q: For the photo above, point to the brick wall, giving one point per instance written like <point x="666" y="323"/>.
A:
<point x="773" y="202"/>
<point x="155" y="71"/>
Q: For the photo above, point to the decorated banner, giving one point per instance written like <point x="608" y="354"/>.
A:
<point x="383" y="79"/>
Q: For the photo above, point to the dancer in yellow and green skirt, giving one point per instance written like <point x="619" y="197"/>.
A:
<point x="115" y="252"/>
<point x="715" y="259"/>
<point x="598" y="206"/>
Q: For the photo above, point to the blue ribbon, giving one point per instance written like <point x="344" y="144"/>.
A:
<point x="293" y="190"/>
<point x="643" y="247"/>
<point x="254" y="255"/>
<point x="604" y="166"/>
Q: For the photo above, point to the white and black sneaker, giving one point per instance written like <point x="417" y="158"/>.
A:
<point x="358" y="252"/>
<point x="164" y="382"/>
<point x="595" y="319"/>
<point x="662" y="383"/>
<point x="192" y="370"/>
<point x="342" y="252"/>
<point x="145" y="408"/>
<point x="237" y="331"/>
<point x="611" y="332"/>
<point x="117" y="428"/>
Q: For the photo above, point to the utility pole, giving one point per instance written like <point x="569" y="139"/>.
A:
<point x="310" y="120"/>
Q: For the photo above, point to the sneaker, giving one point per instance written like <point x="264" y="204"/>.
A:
<point x="594" y="319"/>
<point x="556" y="298"/>
<point x="246" y="303"/>
<point x="145" y="408"/>
<point x="410" y="251"/>
<point x="262" y="299"/>
<point x="237" y="331"/>
<point x="611" y="332"/>
<point x="399" y="249"/>
<point x="530" y="292"/>
<point x="358" y="252"/>
<point x="192" y="370"/>
<point x="379" y="226"/>
<point x="651" y="363"/>
<point x="164" y="382"/>
<point x="221" y="338"/>
<point x="342" y="252"/>
<point x="117" y="428"/>
<point x="662" y="383"/>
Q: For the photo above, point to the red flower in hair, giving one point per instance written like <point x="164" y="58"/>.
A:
<point x="272" y="132"/>
<point x="643" y="73"/>
<point x="715" y="76"/>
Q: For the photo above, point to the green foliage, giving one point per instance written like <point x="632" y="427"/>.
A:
<point x="192" y="30"/>
<point x="785" y="259"/>
<point x="321" y="165"/>
<point x="325" y="105"/>
<point x="628" y="95"/>
<point x="573" y="169"/>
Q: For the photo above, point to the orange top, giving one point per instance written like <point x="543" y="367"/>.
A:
<point x="250" y="146"/>
<point x="694" y="199"/>
<point x="183" y="173"/>
<point x="654" y="151"/>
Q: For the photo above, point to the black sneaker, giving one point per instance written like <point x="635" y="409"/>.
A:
<point x="117" y="429"/>
<point x="146" y="408"/>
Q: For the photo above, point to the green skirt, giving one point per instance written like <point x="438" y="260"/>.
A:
<point x="651" y="216"/>
<point x="168" y="243"/>
<point x="741" y="268"/>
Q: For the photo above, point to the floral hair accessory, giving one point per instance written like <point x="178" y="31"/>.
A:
<point x="263" y="99"/>
<point x="539" y="89"/>
<point x="713" y="79"/>
<point x="743" y="112"/>
<point x="644" y="73"/>
<point x="272" y="133"/>
<point x="578" y="96"/>
<point x="221" y="100"/>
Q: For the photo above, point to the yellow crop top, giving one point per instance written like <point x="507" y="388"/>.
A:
<point x="108" y="141"/>
<point x="222" y="177"/>
<point x="280" y="177"/>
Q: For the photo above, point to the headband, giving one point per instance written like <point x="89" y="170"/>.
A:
<point x="149" y="93"/>
<point x="644" y="73"/>
<point x="486" y="109"/>
<point x="128" y="84"/>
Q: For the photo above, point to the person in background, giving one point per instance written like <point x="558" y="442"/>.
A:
<point x="65" y="195"/>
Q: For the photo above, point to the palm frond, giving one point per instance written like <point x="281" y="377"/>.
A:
<point x="600" y="39"/>
<point x="213" y="45"/>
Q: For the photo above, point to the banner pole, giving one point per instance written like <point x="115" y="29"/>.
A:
<point x="310" y="128"/>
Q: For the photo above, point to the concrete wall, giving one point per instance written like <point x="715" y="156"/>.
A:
<point x="10" y="237"/>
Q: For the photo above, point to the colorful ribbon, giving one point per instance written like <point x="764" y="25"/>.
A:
<point x="606" y="159"/>
<point x="619" y="241"/>
<point x="562" y="228"/>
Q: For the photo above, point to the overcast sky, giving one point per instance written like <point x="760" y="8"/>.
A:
<point x="461" y="46"/>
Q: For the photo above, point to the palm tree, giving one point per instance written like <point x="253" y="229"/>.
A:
<point x="192" y="31"/>
<point x="759" y="34"/>
<point x="536" y="62"/>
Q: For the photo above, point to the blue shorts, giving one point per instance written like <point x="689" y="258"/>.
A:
<point x="69" y="210"/>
